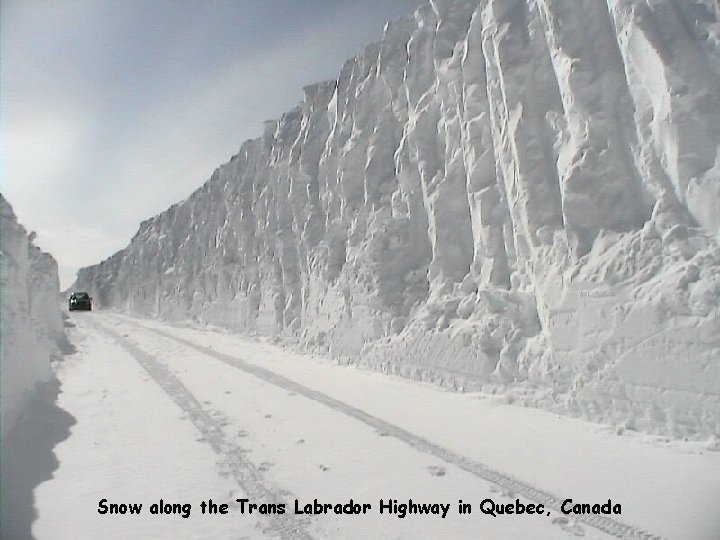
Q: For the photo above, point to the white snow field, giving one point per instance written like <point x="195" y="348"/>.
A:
<point x="518" y="196"/>
<point x="185" y="415"/>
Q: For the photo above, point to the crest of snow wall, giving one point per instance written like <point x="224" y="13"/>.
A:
<point x="520" y="193"/>
<point x="30" y="320"/>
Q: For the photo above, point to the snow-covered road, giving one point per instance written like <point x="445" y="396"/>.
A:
<point x="188" y="415"/>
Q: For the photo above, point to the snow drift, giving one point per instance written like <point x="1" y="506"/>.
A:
<point x="31" y="326"/>
<point x="515" y="195"/>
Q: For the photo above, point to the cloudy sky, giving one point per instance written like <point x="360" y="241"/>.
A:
<point x="113" y="110"/>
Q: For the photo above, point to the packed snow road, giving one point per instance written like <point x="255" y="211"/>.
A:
<point x="187" y="416"/>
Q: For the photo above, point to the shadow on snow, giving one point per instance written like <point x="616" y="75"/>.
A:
<point x="27" y="457"/>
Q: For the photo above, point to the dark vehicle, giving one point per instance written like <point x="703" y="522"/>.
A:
<point x="80" y="300"/>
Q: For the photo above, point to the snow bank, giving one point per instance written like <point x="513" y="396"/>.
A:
<point x="30" y="321"/>
<point x="513" y="195"/>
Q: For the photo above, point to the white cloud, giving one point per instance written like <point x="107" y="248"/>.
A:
<point x="108" y="119"/>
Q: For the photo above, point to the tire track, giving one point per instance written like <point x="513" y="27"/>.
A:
<point x="248" y="477"/>
<point x="602" y="523"/>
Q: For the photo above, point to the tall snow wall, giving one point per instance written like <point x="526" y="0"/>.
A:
<point x="515" y="195"/>
<point x="31" y="325"/>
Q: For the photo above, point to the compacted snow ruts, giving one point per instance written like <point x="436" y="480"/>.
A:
<point x="512" y="485"/>
<point x="273" y="427"/>
<point x="129" y="445"/>
<point x="247" y="476"/>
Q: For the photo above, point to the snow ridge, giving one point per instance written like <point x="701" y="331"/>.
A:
<point x="517" y="195"/>
<point x="30" y="322"/>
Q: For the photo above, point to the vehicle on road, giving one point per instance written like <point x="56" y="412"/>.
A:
<point x="80" y="301"/>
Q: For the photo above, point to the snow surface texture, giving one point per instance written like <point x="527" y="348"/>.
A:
<point x="31" y="326"/>
<point x="186" y="414"/>
<point x="508" y="195"/>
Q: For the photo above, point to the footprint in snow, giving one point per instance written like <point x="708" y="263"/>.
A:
<point x="504" y="492"/>
<point x="300" y="441"/>
<point x="268" y="416"/>
<point x="572" y="528"/>
<point x="437" y="471"/>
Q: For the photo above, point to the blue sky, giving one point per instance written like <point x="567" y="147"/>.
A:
<point x="113" y="110"/>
